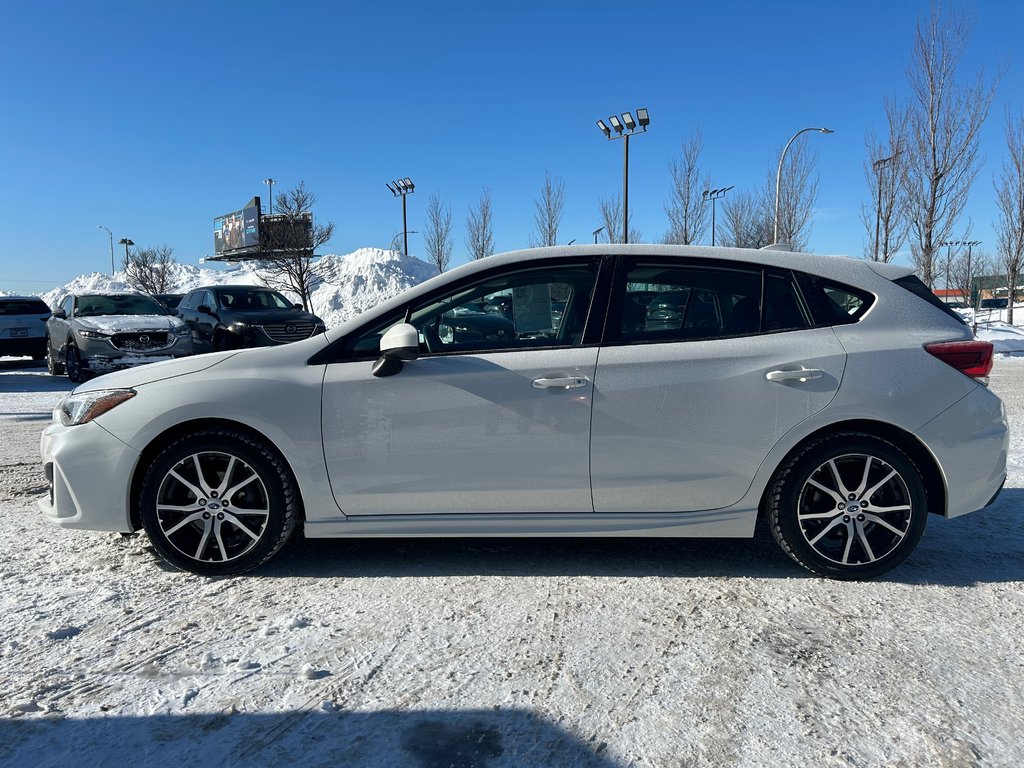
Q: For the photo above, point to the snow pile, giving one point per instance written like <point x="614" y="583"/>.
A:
<point x="347" y="285"/>
<point x="1006" y="339"/>
<point x="363" y="279"/>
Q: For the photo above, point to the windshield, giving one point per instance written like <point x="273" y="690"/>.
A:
<point x="245" y="298"/>
<point x="128" y="304"/>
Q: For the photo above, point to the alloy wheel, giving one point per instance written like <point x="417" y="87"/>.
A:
<point x="855" y="509"/>
<point x="212" y="507"/>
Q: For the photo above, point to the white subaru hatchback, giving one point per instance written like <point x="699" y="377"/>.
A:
<point x="640" y="391"/>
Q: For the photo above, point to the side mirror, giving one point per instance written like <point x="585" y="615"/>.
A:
<point x="204" y="309"/>
<point x="60" y="314"/>
<point x="399" y="344"/>
<point x="297" y="306"/>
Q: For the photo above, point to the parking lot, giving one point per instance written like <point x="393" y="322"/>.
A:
<point x="610" y="652"/>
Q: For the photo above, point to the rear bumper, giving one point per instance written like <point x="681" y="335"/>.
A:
<point x="970" y="440"/>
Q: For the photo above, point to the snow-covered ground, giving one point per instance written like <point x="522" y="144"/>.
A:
<point x="490" y="654"/>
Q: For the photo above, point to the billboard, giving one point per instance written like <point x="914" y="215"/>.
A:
<point x="237" y="231"/>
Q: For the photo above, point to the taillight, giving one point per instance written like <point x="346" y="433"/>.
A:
<point x="972" y="358"/>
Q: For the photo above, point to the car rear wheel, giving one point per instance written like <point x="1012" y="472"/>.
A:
<point x="73" y="364"/>
<point x="216" y="502"/>
<point x="54" y="367"/>
<point x="850" y="506"/>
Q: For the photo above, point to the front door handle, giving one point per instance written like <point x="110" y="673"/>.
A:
<point x="565" y="382"/>
<point x="800" y="374"/>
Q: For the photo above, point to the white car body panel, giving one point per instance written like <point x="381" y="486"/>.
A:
<point x="684" y="426"/>
<point x="461" y="434"/>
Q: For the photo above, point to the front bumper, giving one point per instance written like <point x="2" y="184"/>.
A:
<point x="88" y="470"/>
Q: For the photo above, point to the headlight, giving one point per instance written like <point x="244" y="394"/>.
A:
<point x="180" y="330"/>
<point x="238" y="326"/>
<point x="86" y="406"/>
<point x="92" y="335"/>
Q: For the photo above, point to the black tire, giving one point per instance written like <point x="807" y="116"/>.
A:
<point x="73" y="364"/>
<point x="848" y="506"/>
<point x="228" y="529"/>
<point x="222" y="341"/>
<point x="54" y="367"/>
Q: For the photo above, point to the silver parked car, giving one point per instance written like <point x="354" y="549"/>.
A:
<point x="23" y="326"/>
<point x="681" y="391"/>
<point x="91" y="334"/>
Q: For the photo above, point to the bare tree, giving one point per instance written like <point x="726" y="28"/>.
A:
<point x="687" y="210"/>
<point x="480" y="228"/>
<point x="882" y="215"/>
<point x="611" y="216"/>
<point x="548" y="213"/>
<point x="1010" y="199"/>
<point x="149" y="269"/>
<point x="798" y="192"/>
<point x="288" y="243"/>
<point x="747" y="222"/>
<point x="944" y="118"/>
<point x="438" y="234"/>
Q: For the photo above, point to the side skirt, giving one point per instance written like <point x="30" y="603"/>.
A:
<point x="732" y="523"/>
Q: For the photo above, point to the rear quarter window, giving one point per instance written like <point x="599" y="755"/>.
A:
<point x="833" y="303"/>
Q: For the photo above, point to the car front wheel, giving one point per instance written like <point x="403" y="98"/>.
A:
<point x="849" y="506"/>
<point x="216" y="502"/>
<point x="54" y="367"/>
<point x="73" y="364"/>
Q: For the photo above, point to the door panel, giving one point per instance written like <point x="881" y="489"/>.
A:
<point x="471" y="433"/>
<point x="684" y="426"/>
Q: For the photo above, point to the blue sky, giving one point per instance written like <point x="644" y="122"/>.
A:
<point x="152" y="118"/>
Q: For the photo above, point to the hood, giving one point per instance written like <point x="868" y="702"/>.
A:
<point x="129" y="323"/>
<point x="147" y="374"/>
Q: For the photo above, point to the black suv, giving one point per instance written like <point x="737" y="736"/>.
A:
<point x="235" y="316"/>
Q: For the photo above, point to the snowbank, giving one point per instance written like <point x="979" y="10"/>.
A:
<point x="348" y="284"/>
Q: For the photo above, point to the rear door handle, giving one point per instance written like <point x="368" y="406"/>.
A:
<point x="800" y="374"/>
<point x="565" y="382"/>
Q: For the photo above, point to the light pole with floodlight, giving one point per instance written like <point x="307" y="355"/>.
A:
<point x="778" y="176"/>
<point x="100" y="226"/>
<point x="597" y="232"/>
<point x="713" y="195"/>
<point x="877" y="167"/>
<point x="643" y="119"/>
<point x="125" y="241"/>
<point x="270" y="183"/>
<point x="402" y="188"/>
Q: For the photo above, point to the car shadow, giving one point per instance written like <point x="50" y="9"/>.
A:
<point x="984" y="547"/>
<point x="324" y="736"/>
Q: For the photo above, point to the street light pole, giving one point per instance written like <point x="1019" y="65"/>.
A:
<point x="643" y="119"/>
<point x="877" y="167"/>
<point x="402" y="188"/>
<point x="597" y="232"/>
<point x="125" y="242"/>
<point x="713" y="195"/>
<point x="270" y="183"/>
<point x="778" y="176"/>
<point x="100" y="226"/>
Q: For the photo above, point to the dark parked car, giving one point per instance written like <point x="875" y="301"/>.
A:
<point x="169" y="301"/>
<point x="236" y="316"/>
<point x="23" y="326"/>
<point x="993" y="303"/>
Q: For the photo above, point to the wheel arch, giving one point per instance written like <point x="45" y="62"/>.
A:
<point x="171" y="434"/>
<point x="931" y="475"/>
